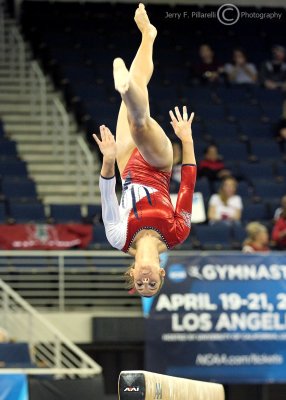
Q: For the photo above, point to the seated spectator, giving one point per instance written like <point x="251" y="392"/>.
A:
<point x="226" y="205"/>
<point x="280" y="131"/>
<point x="279" y="229"/>
<point x="273" y="72"/>
<point x="279" y="210"/>
<point x="257" y="238"/>
<point x="212" y="167"/>
<point x="4" y="336"/>
<point x="208" y="70"/>
<point x="240" y="71"/>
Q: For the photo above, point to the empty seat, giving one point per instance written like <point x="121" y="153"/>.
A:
<point x="18" y="188"/>
<point x="13" y="168"/>
<point x="15" y="354"/>
<point x="257" y="171"/>
<point x="27" y="212"/>
<point x="7" y="148"/>
<point x="99" y="239"/>
<point x="221" y="131"/>
<point x="239" y="235"/>
<point x="254" y="212"/>
<point x="256" y="130"/>
<point x="202" y="186"/>
<point x="244" y="112"/>
<point x="233" y="151"/>
<point x="2" y="213"/>
<point x="210" y="112"/>
<point x="217" y="236"/>
<point x="63" y="213"/>
<point x="268" y="150"/>
<point x="270" y="190"/>
<point x="94" y="212"/>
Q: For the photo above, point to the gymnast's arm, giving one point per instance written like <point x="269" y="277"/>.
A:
<point x="107" y="182"/>
<point x="182" y="128"/>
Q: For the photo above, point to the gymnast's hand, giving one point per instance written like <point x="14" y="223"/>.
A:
<point x="107" y="145"/>
<point x="182" y="125"/>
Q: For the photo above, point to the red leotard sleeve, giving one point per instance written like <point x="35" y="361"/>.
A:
<point x="184" y="201"/>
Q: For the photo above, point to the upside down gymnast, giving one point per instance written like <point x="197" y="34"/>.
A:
<point x="145" y="223"/>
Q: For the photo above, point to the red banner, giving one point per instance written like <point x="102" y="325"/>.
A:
<point x="44" y="237"/>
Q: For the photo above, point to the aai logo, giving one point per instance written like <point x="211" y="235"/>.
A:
<point x="132" y="389"/>
<point x="177" y="273"/>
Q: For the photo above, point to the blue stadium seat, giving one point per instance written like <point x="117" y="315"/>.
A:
<point x="14" y="188"/>
<point x="94" y="211"/>
<point x="254" y="212"/>
<point x="270" y="190"/>
<point x="257" y="171"/>
<point x="233" y="151"/>
<point x="221" y="131"/>
<point x="243" y="111"/>
<point x="64" y="213"/>
<point x="233" y="95"/>
<point x="2" y="213"/>
<point x="13" y="168"/>
<point x="217" y="236"/>
<point x="267" y="150"/>
<point x="8" y="148"/>
<point x="99" y="239"/>
<point x="27" y="212"/>
<point x="274" y="113"/>
<point x="256" y="130"/>
<point x="202" y="186"/>
<point x="210" y="112"/>
<point x="15" y="353"/>
<point x="239" y="234"/>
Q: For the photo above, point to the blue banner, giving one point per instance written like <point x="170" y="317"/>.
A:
<point x="13" y="387"/>
<point x="220" y="318"/>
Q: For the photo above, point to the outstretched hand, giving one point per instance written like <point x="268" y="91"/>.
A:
<point x="107" y="144"/>
<point x="182" y="125"/>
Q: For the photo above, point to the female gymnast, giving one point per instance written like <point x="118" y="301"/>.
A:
<point x="145" y="223"/>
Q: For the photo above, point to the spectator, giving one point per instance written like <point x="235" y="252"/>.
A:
<point x="226" y="205"/>
<point x="280" y="132"/>
<point x="240" y="71"/>
<point x="257" y="238"/>
<point x="4" y="336"/>
<point x="273" y="72"/>
<point x="212" y="167"/>
<point x="279" y="210"/>
<point x="208" y="70"/>
<point x="279" y="229"/>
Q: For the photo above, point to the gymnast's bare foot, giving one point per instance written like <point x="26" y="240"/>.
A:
<point x="142" y="21"/>
<point x="120" y="75"/>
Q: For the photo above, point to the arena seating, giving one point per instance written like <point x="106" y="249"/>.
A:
<point x="77" y="46"/>
<point x="15" y="355"/>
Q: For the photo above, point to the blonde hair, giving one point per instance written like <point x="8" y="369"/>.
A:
<point x="129" y="278"/>
<point x="221" y="192"/>
<point x="253" y="229"/>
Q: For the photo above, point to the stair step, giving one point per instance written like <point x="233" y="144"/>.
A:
<point x="49" y="179"/>
<point x="61" y="199"/>
<point x="55" y="168"/>
<point x="32" y="128"/>
<point x="37" y="139"/>
<point x="44" y="148"/>
<point x="26" y="118"/>
<point x="44" y="190"/>
<point x="25" y="107"/>
<point x="19" y="97"/>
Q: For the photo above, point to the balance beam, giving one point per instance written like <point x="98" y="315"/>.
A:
<point x="143" y="385"/>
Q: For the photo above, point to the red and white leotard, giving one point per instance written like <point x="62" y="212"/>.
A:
<point x="146" y="204"/>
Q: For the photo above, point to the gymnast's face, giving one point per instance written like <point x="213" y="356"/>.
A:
<point x="147" y="279"/>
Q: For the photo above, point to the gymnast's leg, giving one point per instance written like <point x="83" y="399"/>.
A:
<point x="146" y="133"/>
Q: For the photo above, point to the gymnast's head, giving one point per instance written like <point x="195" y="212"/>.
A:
<point x="146" y="280"/>
<point x="145" y="276"/>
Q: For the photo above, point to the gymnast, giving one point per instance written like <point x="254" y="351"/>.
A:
<point x="145" y="223"/>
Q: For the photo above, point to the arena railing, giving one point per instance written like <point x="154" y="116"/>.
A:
<point x="50" y="350"/>
<point x="69" y="280"/>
